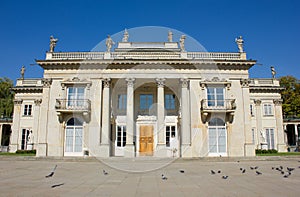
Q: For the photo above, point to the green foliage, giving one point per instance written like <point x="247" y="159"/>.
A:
<point x="290" y="96"/>
<point x="270" y="151"/>
<point x="6" y="97"/>
<point x="26" y="152"/>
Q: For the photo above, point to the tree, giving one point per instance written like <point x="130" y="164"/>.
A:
<point x="6" y="97"/>
<point x="290" y="96"/>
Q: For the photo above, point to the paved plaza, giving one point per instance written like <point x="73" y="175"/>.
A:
<point x="22" y="176"/>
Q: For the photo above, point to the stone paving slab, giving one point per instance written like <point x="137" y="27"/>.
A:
<point x="85" y="178"/>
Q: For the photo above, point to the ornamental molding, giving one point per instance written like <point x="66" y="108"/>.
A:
<point x="75" y="81"/>
<point x="215" y="81"/>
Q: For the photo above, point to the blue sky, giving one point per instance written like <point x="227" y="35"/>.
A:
<point x="270" y="28"/>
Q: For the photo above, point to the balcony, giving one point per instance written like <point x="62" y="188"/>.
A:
<point x="67" y="106"/>
<point x="226" y="106"/>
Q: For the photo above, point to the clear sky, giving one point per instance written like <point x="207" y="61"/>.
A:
<point x="270" y="28"/>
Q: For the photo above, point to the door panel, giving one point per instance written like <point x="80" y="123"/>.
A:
<point x="146" y="139"/>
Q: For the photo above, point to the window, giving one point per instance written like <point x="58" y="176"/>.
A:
<point x="75" y="96"/>
<point x="251" y="110"/>
<point x="215" y="96"/>
<point x="268" y="110"/>
<point x="170" y="133"/>
<point x="27" y="110"/>
<point x="270" y="138"/>
<point x="121" y="136"/>
<point x="122" y="101"/>
<point x="217" y="140"/>
<point x="170" y="101"/>
<point x="146" y="101"/>
<point x="25" y="134"/>
<point x="74" y="134"/>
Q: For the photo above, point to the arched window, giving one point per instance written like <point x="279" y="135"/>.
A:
<point x="73" y="137"/>
<point x="217" y="137"/>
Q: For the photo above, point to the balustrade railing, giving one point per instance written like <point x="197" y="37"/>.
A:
<point x="73" y="104"/>
<point x="143" y="55"/>
<point x="227" y="104"/>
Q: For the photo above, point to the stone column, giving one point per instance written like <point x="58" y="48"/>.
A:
<point x="36" y="122"/>
<point x="258" y="121"/>
<point x="42" y="146"/>
<point x="105" y="133"/>
<point x="16" y="131"/>
<point x="249" y="147"/>
<point x="130" y="120"/>
<point x="185" y="118"/>
<point x="281" y="146"/>
<point x="160" y="111"/>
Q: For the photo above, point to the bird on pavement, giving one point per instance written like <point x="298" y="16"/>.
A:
<point x="224" y="177"/>
<point x="163" y="177"/>
<point x="57" y="185"/>
<point x="258" y="173"/>
<point x="244" y="171"/>
<point x="104" y="172"/>
<point x="212" y="172"/>
<point x="181" y="171"/>
<point x="52" y="172"/>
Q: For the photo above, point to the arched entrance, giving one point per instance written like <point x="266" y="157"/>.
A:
<point x="74" y="137"/>
<point x="217" y="137"/>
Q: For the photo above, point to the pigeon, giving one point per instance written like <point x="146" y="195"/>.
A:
<point x="281" y="167"/>
<point x="256" y="167"/>
<point x="273" y="168"/>
<point x="163" y="177"/>
<point x="290" y="169"/>
<point x="212" y="172"/>
<point x="224" y="177"/>
<point x="244" y="171"/>
<point x="104" y="172"/>
<point x="52" y="172"/>
<point x="241" y="169"/>
<point x="282" y="172"/>
<point x="181" y="171"/>
<point x="57" y="185"/>
<point x="252" y="168"/>
<point x="258" y="173"/>
<point x="219" y="171"/>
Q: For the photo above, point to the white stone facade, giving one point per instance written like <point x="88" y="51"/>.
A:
<point x="147" y="99"/>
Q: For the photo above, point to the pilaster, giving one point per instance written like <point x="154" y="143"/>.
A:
<point x="130" y="122"/>
<point x="281" y="146"/>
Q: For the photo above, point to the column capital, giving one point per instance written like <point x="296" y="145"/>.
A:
<point x="37" y="102"/>
<point x="184" y="82"/>
<point x="277" y="101"/>
<point x="160" y="82"/>
<point x="106" y="82"/>
<point x="245" y="83"/>
<point x="18" y="101"/>
<point x="47" y="82"/>
<point x="257" y="102"/>
<point x="130" y="82"/>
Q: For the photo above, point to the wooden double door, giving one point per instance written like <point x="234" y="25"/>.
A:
<point x="146" y="140"/>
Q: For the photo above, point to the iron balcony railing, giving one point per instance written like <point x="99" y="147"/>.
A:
<point x="218" y="105"/>
<point x="73" y="104"/>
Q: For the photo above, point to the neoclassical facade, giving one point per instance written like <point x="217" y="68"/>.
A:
<point x="150" y="99"/>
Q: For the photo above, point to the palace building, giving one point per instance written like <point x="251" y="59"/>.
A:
<point x="151" y="99"/>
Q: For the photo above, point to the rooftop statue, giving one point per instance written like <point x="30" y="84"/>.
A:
<point x="170" y="36"/>
<point x="240" y="42"/>
<point x="109" y="43"/>
<point x="125" y="36"/>
<point x="273" y="71"/>
<point x="53" y="42"/>
<point x="22" y="72"/>
<point x="181" y="42"/>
